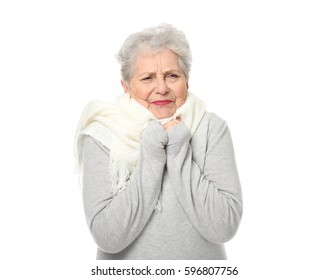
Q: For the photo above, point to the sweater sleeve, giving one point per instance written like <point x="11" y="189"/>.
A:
<point x="211" y="197"/>
<point x="115" y="221"/>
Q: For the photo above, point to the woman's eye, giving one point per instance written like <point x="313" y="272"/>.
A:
<point x="146" y="78"/>
<point x="172" y="76"/>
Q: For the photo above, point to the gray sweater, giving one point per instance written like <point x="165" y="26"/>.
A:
<point x="195" y="180"/>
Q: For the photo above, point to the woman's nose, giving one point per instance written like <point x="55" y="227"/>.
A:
<point x="161" y="86"/>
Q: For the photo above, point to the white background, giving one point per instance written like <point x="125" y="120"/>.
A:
<point x="263" y="66"/>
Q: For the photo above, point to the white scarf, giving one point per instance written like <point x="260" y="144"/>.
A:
<point x="119" y="127"/>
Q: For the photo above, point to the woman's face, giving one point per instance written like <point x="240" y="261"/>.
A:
<point x="158" y="83"/>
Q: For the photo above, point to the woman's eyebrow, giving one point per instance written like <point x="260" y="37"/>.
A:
<point x="150" y="73"/>
<point x="165" y="72"/>
<point x="172" y="70"/>
<point x="146" y="73"/>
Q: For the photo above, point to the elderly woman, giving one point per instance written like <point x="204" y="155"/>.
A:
<point x="159" y="174"/>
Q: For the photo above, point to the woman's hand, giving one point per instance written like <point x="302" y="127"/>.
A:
<point x="171" y="124"/>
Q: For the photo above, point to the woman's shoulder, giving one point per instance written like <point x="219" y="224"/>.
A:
<point x="213" y="121"/>
<point x="90" y="144"/>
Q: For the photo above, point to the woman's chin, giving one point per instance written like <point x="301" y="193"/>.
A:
<point x="161" y="115"/>
<point x="162" y="112"/>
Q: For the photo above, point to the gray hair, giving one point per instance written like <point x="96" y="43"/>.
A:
<point x="155" y="39"/>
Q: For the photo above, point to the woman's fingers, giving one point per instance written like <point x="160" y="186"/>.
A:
<point x="171" y="124"/>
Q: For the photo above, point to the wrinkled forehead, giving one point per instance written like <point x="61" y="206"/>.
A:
<point x="153" y="62"/>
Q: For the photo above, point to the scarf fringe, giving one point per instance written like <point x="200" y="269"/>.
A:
<point x="120" y="172"/>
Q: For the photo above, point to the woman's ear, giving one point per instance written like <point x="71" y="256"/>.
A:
<point x="125" y="86"/>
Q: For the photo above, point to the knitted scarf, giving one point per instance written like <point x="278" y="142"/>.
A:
<point x="118" y="126"/>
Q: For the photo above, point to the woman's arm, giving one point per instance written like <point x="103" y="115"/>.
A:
<point x="115" y="221"/>
<point x="211" y="198"/>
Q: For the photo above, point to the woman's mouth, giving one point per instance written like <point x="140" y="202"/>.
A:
<point x="161" y="102"/>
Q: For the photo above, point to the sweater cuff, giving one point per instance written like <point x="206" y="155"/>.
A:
<point x="155" y="135"/>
